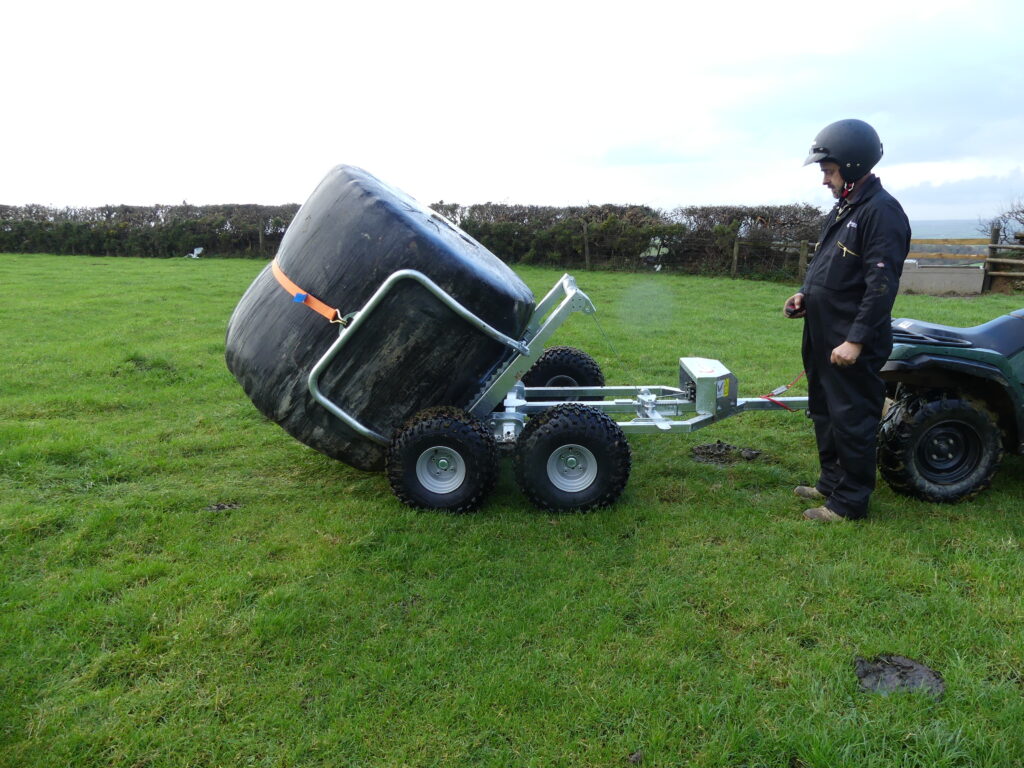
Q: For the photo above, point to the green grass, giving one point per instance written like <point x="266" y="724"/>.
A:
<point x="183" y="584"/>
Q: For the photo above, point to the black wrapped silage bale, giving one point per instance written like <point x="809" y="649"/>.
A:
<point x="411" y="353"/>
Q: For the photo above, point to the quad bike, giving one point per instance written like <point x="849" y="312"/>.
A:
<point x="957" y="404"/>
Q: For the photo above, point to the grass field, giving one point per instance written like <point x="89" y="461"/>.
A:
<point x="183" y="584"/>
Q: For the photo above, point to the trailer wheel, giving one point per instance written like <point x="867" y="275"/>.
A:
<point x="564" y="367"/>
<point x="442" y="458"/>
<point x="572" y="457"/>
<point x="939" y="448"/>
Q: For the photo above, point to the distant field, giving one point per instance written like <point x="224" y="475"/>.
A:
<point x="952" y="241"/>
<point x="185" y="585"/>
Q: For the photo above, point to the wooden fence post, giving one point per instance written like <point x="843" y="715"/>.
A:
<point x="993" y="240"/>
<point x="735" y="256"/>
<point x="801" y="267"/>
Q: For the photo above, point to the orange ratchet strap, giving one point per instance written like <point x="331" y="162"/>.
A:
<point x="299" y="296"/>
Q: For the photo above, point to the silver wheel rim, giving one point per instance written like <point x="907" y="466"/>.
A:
<point x="572" y="468"/>
<point x="440" y="469"/>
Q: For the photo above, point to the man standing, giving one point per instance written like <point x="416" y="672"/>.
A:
<point x="846" y="302"/>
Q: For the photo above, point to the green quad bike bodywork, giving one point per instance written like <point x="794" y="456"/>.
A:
<point x="957" y="405"/>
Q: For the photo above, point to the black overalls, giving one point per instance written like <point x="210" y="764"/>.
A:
<point x="849" y="291"/>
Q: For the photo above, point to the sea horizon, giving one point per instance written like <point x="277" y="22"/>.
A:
<point x="952" y="229"/>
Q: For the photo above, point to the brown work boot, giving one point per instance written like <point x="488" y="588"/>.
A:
<point x="824" y="514"/>
<point x="808" y="492"/>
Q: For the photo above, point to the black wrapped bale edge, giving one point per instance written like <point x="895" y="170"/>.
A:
<point x="411" y="352"/>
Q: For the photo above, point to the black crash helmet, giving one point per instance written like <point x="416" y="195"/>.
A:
<point x="852" y="144"/>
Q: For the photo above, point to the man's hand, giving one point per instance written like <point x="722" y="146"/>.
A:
<point x="846" y="354"/>
<point x="794" y="306"/>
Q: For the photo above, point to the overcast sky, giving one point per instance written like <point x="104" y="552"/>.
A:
<point x="657" y="103"/>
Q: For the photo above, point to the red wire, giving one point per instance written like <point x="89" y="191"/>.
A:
<point x="794" y="381"/>
<point x="771" y="399"/>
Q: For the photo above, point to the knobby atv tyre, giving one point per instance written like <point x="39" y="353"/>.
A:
<point x="564" y="367"/>
<point x="939" y="448"/>
<point x="442" y="458"/>
<point x="572" y="457"/>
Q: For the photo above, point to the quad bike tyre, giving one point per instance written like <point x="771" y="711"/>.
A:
<point x="442" y="458"/>
<point x="940" y="447"/>
<point x="564" y="367"/>
<point x="572" y="457"/>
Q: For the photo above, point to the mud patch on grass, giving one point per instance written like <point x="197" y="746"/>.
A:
<point x="222" y="506"/>
<point x="887" y="673"/>
<point x="723" y="453"/>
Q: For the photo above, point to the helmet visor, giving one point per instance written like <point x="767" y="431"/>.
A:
<point x="817" y="154"/>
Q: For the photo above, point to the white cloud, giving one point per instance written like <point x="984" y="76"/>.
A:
<point x="947" y="171"/>
<point x="660" y="103"/>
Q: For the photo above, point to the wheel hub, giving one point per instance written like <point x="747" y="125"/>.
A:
<point x="949" y="452"/>
<point x="572" y="468"/>
<point x="942" y="449"/>
<point x="440" y="469"/>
